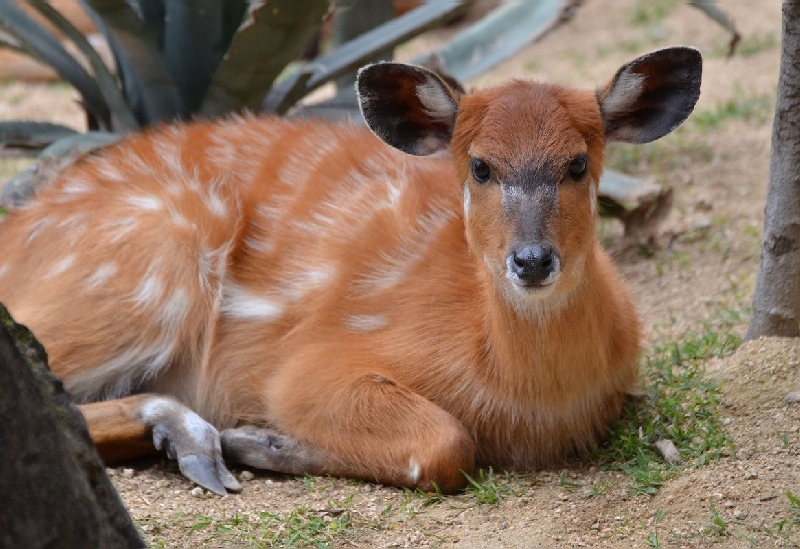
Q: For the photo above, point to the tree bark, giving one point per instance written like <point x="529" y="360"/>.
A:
<point x="776" y="303"/>
<point x="54" y="491"/>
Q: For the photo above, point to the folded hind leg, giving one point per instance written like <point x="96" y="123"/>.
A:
<point x="361" y="424"/>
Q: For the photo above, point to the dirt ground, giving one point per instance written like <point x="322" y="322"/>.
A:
<point x="704" y="267"/>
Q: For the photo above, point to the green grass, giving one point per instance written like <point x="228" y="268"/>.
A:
<point x="757" y="108"/>
<point x="300" y="527"/>
<point x="490" y="488"/>
<point x="660" y="156"/>
<point x="682" y="405"/>
<point x="652" y="12"/>
<point x="718" y="526"/>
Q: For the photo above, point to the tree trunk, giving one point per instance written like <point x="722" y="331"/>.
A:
<point x="776" y="303"/>
<point x="54" y="491"/>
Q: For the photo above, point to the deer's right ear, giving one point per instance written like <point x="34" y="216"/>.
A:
<point x="410" y="108"/>
<point x="650" y="96"/>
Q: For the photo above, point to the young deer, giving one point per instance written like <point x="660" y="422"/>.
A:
<point x="339" y="306"/>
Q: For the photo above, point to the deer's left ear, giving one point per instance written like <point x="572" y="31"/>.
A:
<point x="410" y="108"/>
<point x="652" y="95"/>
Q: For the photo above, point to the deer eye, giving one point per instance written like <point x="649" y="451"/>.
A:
<point x="480" y="170"/>
<point x="577" y="167"/>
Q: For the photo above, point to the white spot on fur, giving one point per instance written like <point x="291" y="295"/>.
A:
<point x="147" y="203"/>
<point x="298" y="168"/>
<point x="3" y="270"/>
<point x="413" y="470"/>
<point x="174" y="310"/>
<point x="263" y="245"/>
<point x="365" y="323"/>
<point x="148" y="292"/>
<point x="626" y="91"/>
<point x="392" y="267"/>
<point x="438" y="104"/>
<point x="110" y="172"/>
<point x="61" y="266"/>
<point x="305" y="280"/>
<point x="103" y="274"/>
<point x="121" y="227"/>
<point x="76" y="186"/>
<point x="239" y="303"/>
<point x="38" y="226"/>
<point x="214" y="202"/>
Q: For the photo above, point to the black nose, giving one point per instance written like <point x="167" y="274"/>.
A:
<point x="533" y="264"/>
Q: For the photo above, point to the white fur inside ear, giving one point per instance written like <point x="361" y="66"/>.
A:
<point x="627" y="89"/>
<point x="438" y="104"/>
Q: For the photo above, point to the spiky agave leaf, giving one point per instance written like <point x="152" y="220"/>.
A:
<point x="38" y="42"/>
<point x="148" y="85"/>
<point x="122" y="117"/>
<point x="268" y="40"/>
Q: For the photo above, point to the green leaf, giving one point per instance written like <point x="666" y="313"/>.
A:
<point x="502" y="33"/>
<point x="352" y="55"/>
<point x="153" y="13"/>
<point x="272" y="36"/>
<point x="39" y="43"/>
<point x="148" y="84"/>
<point x="31" y="135"/>
<point x="193" y="46"/>
<point x="121" y="115"/>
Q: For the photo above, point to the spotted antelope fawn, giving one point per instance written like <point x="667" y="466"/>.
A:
<point x="337" y="306"/>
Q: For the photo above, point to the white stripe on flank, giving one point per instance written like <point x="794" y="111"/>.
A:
<point x="240" y="303"/>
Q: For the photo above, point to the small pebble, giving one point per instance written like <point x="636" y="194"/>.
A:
<point x="128" y="473"/>
<point x="738" y="514"/>
<point x="246" y="475"/>
<point x="197" y="492"/>
<point x="793" y="397"/>
<point x="668" y="450"/>
<point x="750" y="475"/>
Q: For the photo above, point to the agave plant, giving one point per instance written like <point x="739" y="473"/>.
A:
<point x="178" y="59"/>
<point x="175" y="58"/>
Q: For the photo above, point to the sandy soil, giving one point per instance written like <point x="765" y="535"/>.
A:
<point x="705" y="267"/>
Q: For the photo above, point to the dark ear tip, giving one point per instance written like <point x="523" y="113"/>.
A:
<point x="684" y="55"/>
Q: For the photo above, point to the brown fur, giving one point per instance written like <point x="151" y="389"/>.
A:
<point x="458" y="374"/>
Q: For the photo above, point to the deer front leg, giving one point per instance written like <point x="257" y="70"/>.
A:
<point x="366" y="427"/>
<point x="138" y="425"/>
